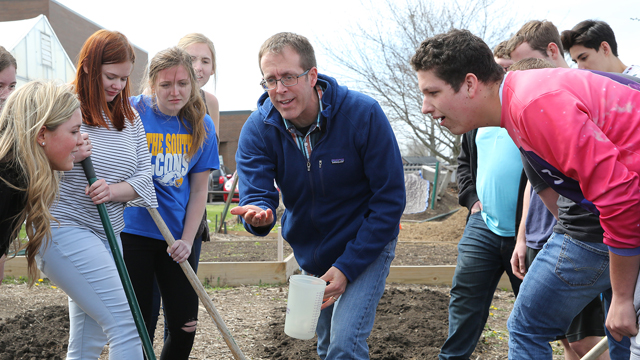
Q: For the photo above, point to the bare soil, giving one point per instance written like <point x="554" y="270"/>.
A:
<point x="411" y="320"/>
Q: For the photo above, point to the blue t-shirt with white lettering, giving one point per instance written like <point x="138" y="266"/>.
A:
<point x="169" y="142"/>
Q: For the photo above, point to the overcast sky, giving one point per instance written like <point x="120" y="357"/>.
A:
<point x="238" y="28"/>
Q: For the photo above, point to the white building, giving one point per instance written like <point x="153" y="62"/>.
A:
<point x="38" y="52"/>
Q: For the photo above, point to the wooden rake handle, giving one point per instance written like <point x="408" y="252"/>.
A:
<point x="197" y="286"/>
<point x="597" y="350"/>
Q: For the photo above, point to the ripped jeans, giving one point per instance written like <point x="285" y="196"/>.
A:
<point x="565" y="276"/>
<point x="146" y="259"/>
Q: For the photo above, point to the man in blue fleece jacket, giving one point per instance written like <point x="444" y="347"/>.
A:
<point x="336" y="161"/>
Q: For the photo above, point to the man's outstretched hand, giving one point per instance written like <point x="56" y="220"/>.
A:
<point x="253" y="215"/>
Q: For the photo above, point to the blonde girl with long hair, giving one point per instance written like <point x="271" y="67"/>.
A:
<point x="203" y="58"/>
<point x="183" y="149"/>
<point x="39" y="137"/>
<point x="79" y="259"/>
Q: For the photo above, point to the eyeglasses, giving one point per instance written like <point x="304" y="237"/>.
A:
<point x="289" y="80"/>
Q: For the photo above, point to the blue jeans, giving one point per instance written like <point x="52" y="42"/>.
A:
<point x="81" y="264"/>
<point x="343" y="328"/>
<point x="482" y="259"/>
<point x="566" y="275"/>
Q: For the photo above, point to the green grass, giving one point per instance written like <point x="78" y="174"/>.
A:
<point x="217" y="209"/>
<point x="45" y="283"/>
<point x="557" y="348"/>
<point x="211" y="287"/>
<point x="267" y="285"/>
<point x="213" y="210"/>
<point x="218" y="286"/>
<point x="14" y="280"/>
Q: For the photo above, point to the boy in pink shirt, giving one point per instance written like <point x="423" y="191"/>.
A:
<point x="575" y="127"/>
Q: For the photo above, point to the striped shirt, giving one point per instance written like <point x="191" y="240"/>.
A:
<point x="117" y="156"/>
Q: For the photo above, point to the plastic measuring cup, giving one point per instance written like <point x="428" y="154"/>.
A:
<point x="303" y="306"/>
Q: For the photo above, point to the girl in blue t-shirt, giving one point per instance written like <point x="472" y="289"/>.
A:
<point x="203" y="59"/>
<point x="183" y="149"/>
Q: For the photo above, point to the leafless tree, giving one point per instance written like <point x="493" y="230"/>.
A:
<point x="413" y="147"/>
<point x="375" y="56"/>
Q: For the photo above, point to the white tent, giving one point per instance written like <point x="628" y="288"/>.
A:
<point x="37" y="50"/>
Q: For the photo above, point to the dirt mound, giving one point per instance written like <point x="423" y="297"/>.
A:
<point x="450" y="229"/>
<point x="410" y="324"/>
<point x="229" y="248"/>
<point x="425" y="253"/>
<point x="42" y="333"/>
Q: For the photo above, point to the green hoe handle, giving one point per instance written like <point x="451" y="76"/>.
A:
<point x="87" y="166"/>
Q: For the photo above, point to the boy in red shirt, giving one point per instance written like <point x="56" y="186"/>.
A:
<point x="573" y="126"/>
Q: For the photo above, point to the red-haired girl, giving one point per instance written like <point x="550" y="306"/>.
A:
<point x="78" y="259"/>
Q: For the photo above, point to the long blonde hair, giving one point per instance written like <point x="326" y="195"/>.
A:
<point x="197" y="38"/>
<point x="36" y="104"/>
<point x="194" y="110"/>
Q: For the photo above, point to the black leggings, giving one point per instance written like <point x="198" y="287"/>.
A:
<point x="146" y="259"/>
